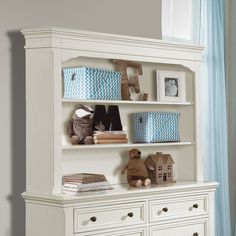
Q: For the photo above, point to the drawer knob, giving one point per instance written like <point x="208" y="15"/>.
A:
<point x="195" y="234"/>
<point x="165" y="209"/>
<point x="130" y="214"/>
<point x="93" y="219"/>
<point x="195" y="206"/>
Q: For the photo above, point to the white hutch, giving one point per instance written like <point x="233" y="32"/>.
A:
<point x="183" y="208"/>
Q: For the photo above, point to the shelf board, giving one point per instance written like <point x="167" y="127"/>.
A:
<point x="128" y="145"/>
<point x="123" y="190"/>
<point x="126" y="102"/>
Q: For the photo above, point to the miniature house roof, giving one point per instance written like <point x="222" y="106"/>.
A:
<point x="160" y="159"/>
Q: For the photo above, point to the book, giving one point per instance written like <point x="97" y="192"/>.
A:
<point x="72" y="187"/>
<point x="102" y="188"/>
<point x="110" y="141"/>
<point x="110" y="135"/>
<point x="115" y="132"/>
<point x="79" y="185"/>
<point x="83" y="178"/>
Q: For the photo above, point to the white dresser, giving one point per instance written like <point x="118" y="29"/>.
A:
<point x="183" y="208"/>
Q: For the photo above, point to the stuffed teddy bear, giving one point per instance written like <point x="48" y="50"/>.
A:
<point x="137" y="174"/>
<point x="80" y="126"/>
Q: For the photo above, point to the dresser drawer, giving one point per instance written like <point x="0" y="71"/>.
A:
<point x="191" y="229"/>
<point x="177" y="207"/>
<point x="106" y="216"/>
<point x="130" y="232"/>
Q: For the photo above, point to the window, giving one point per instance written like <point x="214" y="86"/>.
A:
<point x="169" y="174"/>
<point x="159" y="167"/>
<point x="159" y="176"/>
<point x="179" y="19"/>
<point x="169" y="167"/>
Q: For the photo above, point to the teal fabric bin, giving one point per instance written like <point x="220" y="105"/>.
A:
<point x="91" y="83"/>
<point x="151" y="127"/>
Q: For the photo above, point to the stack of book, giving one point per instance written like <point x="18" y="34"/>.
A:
<point x="109" y="137"/>
<point x="84" y="182"/>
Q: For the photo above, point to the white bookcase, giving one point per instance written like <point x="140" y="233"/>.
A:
<point x="190" y="201"/>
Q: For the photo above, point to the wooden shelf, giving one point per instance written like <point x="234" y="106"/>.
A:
<point x="126" y="102"/>
<point x="128" y="145"/>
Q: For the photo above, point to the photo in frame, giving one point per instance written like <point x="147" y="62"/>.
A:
<point x="171" y="86"/>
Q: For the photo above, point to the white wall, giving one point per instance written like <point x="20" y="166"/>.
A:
<point x="231" y="46"/>
<point x="138" y="18"/>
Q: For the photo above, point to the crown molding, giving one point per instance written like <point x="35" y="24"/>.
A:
<point x="61" y="38"/>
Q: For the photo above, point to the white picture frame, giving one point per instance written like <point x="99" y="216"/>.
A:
<point x="171" y="86"/>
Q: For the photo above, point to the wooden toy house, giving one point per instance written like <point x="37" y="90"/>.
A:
<point x="160" y="168"/>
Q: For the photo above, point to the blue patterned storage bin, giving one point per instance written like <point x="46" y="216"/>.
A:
<point x="151" y="127"/>
<point x="91" y="83"/>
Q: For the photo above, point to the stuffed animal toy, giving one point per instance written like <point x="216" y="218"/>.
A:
<point x="137" y="174"/>
<point x="80" y="127"/>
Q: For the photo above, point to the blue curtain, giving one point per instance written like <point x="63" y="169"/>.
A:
<point x="213" y="91"/>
